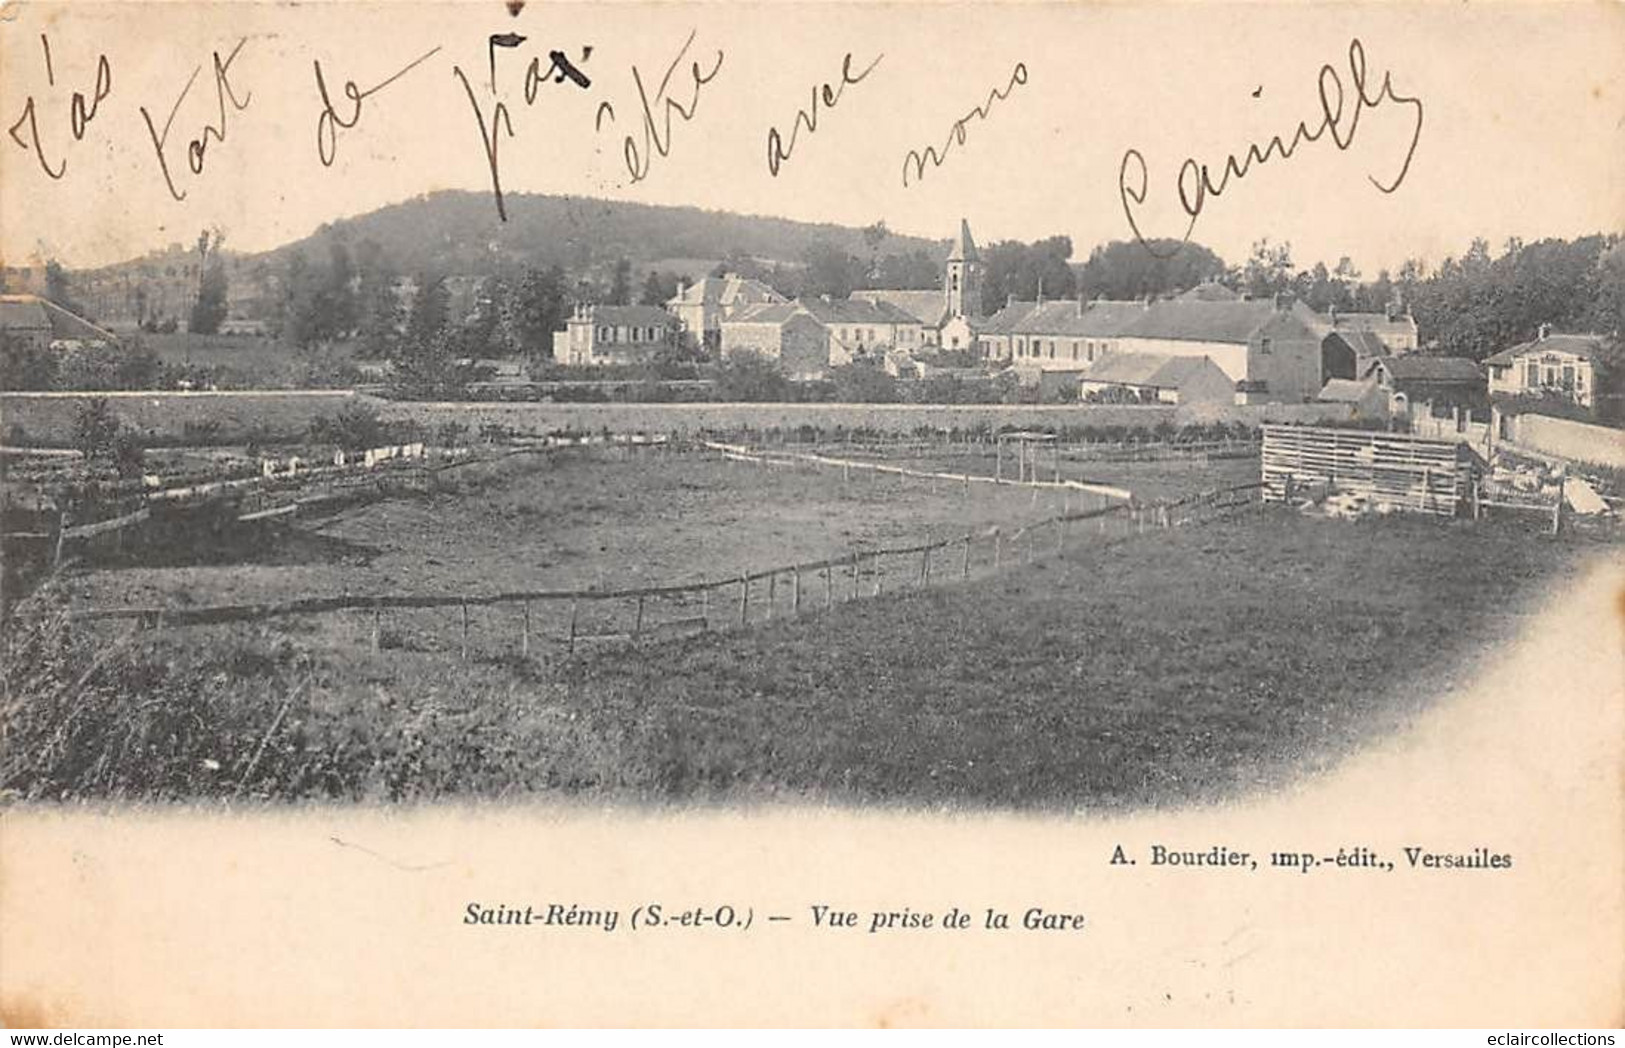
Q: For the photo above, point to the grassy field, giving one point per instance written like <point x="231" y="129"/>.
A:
<point x="1176" y="667"/>
<point x="570" y="519"/>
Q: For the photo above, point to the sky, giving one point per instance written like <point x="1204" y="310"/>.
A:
<point x="1517" y="112"/>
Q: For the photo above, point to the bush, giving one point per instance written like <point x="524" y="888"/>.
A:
<point x="355" y="428"/>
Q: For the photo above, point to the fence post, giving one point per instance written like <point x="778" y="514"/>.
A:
<point x="1060" y="536"/>
<point x="1557" y="507"/>
<point x="377" y="625"/>
<point x="829" y="585"/>
<point x="465" y="630"/>
<point x="795" y="591"/>
<point x="772" y="592"/>
<point x="964" y="560"/>
<point x="998" y="549"/>
<point x="744" y="599"/>
<point x="705" y="609"/>
<point x="637" y="623"/>
<point x="575" y="607"/>
<point x="524" y="633"/>
<point x="925" y="566"/>
<point x="856" y="557"/>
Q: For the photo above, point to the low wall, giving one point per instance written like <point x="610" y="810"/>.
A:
<point x="48" y="418"/>
<point x="889" y="418"/>
<point x="718" y="418"/>
<point x="1576" y="441"/>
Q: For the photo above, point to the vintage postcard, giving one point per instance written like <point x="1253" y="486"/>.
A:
<point x="817" y="514"/>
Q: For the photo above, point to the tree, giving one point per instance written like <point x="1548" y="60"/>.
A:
<point x="658" y="289"/>
<point x="1011" y="268"/>
<point x="831" y="270"/>
<point x="751" y="378"/>
<point x="59" y="287"/>
<point x="26" y="366"/>
<point x="620" y="291"/>
<point x="1126" y="270"/>
<point x="1268" y="269"/>
<point x="209" y="310"/>
<point x="861" y="383"/>
<point x="537" y="307"/>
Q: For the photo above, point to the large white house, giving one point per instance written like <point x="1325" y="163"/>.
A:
<point x="1565" y="365"/>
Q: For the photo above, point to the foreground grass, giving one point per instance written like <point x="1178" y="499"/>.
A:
<point x="1176" y="667"/>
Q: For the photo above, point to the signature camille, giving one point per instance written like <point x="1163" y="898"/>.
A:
<point x="1196" y="183"/>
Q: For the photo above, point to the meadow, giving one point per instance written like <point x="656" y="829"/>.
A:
<point x="1179" y="666"/>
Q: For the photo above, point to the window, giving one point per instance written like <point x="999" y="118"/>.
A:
<point x="1568" y="376"/>
<point x="1264" y="345"/>
<point x="1052" y="349"/>
<point x="1532" y="375"/>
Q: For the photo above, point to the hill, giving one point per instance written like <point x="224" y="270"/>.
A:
<point x="458" y="232"/>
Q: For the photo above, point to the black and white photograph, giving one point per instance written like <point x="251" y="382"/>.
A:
<point x="1126" y="495"/>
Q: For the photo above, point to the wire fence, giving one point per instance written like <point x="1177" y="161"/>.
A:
<point x="554" y="624"/>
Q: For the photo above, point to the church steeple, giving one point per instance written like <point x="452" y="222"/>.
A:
<point x="962" y="276"/>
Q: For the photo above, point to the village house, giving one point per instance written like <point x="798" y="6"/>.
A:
<point x="1549" y="364"/>
<point x="1151" y="378"/>
<point x="783" y="332"/>
<point x="705" y="304"/>
<point x="997" y="339"/>
<point x="1068" y="335"/>
<point x="1394" y="329"/>
<point x="597" y="334"/>
<point x="1415" y="379"/>
<point x="30" y="322"/>
<point x="850" y="329"/>
<point x="1351" y="342"/>
<point x="1367" y="399"/>
<point x="1268" y="347"/>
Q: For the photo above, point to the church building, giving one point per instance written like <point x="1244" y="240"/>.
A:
<point x="950" y="319"/>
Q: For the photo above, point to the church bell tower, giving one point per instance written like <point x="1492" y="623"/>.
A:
<point x="962" y="278"/>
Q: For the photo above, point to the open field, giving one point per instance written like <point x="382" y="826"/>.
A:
<point x="1166" y="668"/>
<point x="572" y="519"/>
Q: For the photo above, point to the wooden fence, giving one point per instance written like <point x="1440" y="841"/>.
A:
<point x="555" y="623"/>
<point x="1398" y="470"/>
<point x="740" y="453"/>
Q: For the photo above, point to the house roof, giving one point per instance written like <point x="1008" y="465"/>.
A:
<point x="1186" y="321"/>
<point x="964" y="248"/>
<point x="1147" y="369"/>
<point x="764" y="313"/>
<point x="928" y="307"/>
<point x="1419" y="367"/>
<point x="855" y="311"/>
<point x="1380" y="323"/>
<point x="1209" y="291"/>
<point x="1366" y="344"/>
<point x="1066" y="317"/>
<point x="1587" y="346"/>
<point x="33" y="313"/>
<point x="725" y="290"/>
<point x="1346" y="390"/>
<point x="632" y="315"/>
<point x="1005" y="320"/>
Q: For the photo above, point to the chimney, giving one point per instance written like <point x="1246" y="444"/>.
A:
<point x="1545" y="330"/>
<point x="1391" y="310"/>
<point x="1331" y="311"/>
<point x="1284" y="300"/>
<point x="1010" y="299"/>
